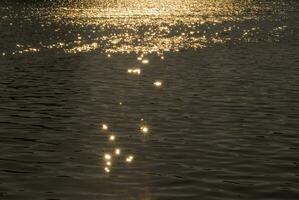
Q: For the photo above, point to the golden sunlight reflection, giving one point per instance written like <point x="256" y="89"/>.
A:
<point x="136" y="71"/>
<point x="145" y="61"/>
<point x="108" y="163"/>
<point x="158" y="83"/>
<point x="112" y="137"/>
<point x="117" y="151"/>
<point x="114" y="154"/>
<point x="144" y="129"/>
<point x="107" y="156"/>
<point x="141" y="26"/>
<point x="129" y="159"/>
<point x="107" y="170"/>
<point x="104" y="127"/>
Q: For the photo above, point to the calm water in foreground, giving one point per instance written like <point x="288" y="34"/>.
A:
<point x="149" y="100"/>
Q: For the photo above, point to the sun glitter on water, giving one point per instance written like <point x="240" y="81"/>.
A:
<point x="134" y="26"/>
<point x="112" y="137"/>
<point x="104" y="127"/>
<point x="117" y="151"/>
<point x="158" y="83"/>
<point x="129" y="159"/>
<point x="144" y="129"/>
<point x="136" y="71"/>
<point x="107" y="156"/>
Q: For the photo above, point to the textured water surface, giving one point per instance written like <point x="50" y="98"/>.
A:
<point x="199" y="97"/>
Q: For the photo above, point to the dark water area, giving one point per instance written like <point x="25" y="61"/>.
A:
<point x="204" y="95"/>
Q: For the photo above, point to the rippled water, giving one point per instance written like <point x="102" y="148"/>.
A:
<point x="127" y="99"/>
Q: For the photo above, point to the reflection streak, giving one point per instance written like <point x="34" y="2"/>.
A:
<point x="142" y="26"/>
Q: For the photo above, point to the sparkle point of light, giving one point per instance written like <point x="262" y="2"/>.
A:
<point x="117" y="151"/>
<point x="109" y="56"/>
<point x="129" y="159"/>
<point x="112" y="137"/>
<point x="104" y="126"/>
<point x="145" y="61"/>
<point x="158" y="83"/>
<point x="107" y="156"/>
<point x="107" y="169"/>
<point x="144" y="129"/>
<point x="108" y="163"/>
<point x="134" y="71"/>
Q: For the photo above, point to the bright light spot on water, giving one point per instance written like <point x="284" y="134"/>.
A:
<point x="120" y="103"/>
<point x="145" y="61"/>
<point x="108" y="163"/>
<point x="115" y="41"/>
<point x="107" y="156"/>
<point x="117" y="151"/>
<point x="158" y="83"/>
<point x="111" y="137"/>
<point x="104" y="126"/>
<point x="107" y="170"/>
<point x="109" y="56"/>
<point x="134" y="71"/>
<point x="144" y="129"/>
<point x="129" y="159"/>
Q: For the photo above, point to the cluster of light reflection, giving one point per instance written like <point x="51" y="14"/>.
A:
<point x="129" y="158"/>
<point x="142" y="26"/>
<point x="110" y="157"/>
<point x="116" y="153"/>
<point x="144" y="128"/>
<point x="136" y="71"/>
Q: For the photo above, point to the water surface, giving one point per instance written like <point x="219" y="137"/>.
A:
<point x="223" y="124"/>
